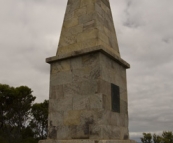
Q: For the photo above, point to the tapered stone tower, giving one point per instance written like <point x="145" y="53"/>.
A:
<point x="88" y="89"/>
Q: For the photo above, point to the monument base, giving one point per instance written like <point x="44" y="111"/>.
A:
<point x="87" y="141"/>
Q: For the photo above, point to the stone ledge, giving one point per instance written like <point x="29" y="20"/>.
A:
<point x="105" y="51"/>
<point x="87" y="141"/>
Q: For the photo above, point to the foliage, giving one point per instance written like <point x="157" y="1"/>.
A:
<point x="19" y="117"/>
<point x="166" y="137"/>
<point x="40" y="120"/>
<point x="157" y="138"/>
<point x="147" y="138"/>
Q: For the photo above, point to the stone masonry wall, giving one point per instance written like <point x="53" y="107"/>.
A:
<point x="80" y="99"/>
<point x="87" y="23"/>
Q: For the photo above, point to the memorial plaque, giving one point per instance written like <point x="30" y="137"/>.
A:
<point x="115" y="93"/>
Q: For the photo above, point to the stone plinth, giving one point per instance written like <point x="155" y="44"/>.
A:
<point x="81" y="102"/>
<point x="87" y="141"/>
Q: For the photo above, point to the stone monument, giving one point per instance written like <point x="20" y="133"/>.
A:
<point x="88" y="88"/>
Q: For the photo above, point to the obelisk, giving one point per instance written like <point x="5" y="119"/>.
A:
<point x="88" y="89"/>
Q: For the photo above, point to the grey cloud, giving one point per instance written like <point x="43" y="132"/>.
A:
<point x="29" y="33"/>
<point x="148" y="48"/>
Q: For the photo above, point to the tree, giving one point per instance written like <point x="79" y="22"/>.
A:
<point x="6" y="97"/>
<point x="39" y="122"/>
<point x="15" y="111"/>
<point x="157" y="138"/>
<point x="6" y="101"/>
<point x="21" y="107"/>
<point x="21" y="121"/>
<point x="147" y="138"/>
<point x="166" y="137"/>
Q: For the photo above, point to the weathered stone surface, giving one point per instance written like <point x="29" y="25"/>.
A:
<point x="56" y="92"/>
<point x="89" y="70"/>
<point x="106" y="102"/>
<point x="79" y="132"/>
<point x="83" y="98"/>
<point x="71" y="23"/>
<point x="90" y="102"/>
<point x="61" y="78"/>
<point x="84" y="87"/>
<point x="104" y="132"/>
<point x="72" y="118"/>
<point x="75" y="47"/>
<point x="63" y="132"/>
<point x="123" y="120"/>
<point x="123" y="107"/>
<point x="56" y="118"/>
<point x="87" y="141"/>
<point x="81" y="102"/>
<point x="64" y="104"/>
<point x="104" y="117"/>
<point x="76" y="63"/>
<point x="86" y="73"/>
<point x="104" y="87"/>
<point x="88" y="34"/>
<point x="115" y="119"/>
<point x="86" y="15"/>
<point x="89" y="25"/>
<point x="81" y="11"/>
<point x="60" y="67"/>
<point x="83" y="71"/>
<point x="96" y="101"/>
<point x="90" y="59"/>
<point x="89" y="117"/>
<point x="124" y="133"/>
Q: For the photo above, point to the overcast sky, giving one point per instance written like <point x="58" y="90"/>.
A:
<point x="29" y="33"/>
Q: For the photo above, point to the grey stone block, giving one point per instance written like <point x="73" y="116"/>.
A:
<point x="56" y="118"/>
<point x="72" y="117"/>
<point x="107" y="102"/>
<point x="104" y="87"/>
<point x="76" y="63"/>
<point x="81" y="102"/>
<point x="64" y="104"/>
<point x="87" y="18"/>
<point x="84" y="87"/>
<point x="91" y="60"/>
<point x="89" y="25"/>
<point x="60" y="67"/>
<point x="96" y="101"/>
<point x="104" y="132"/>
<point x="105" y="117"/>
<point x="61" y="78"/>
<point x="124" y="134"/>
<point x="115" y="119"/>
<point x="56" y="92"/>
<point x="86" y="73"/>
<point x="63" y="132"/>
<point x="79" y="132"/>
<point x="123" y="106"/>
<point x="90" y="116"/>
